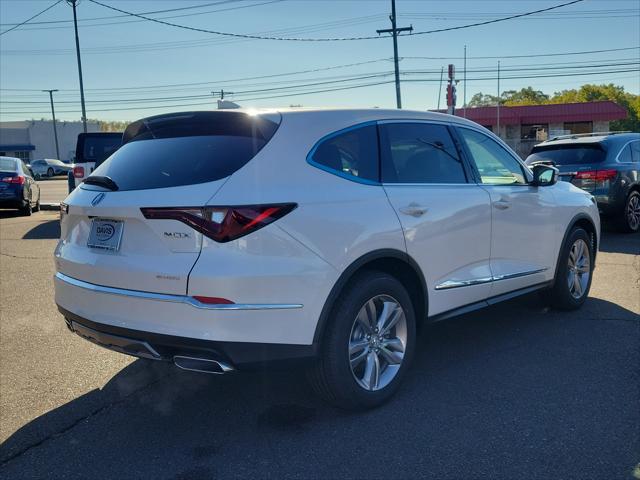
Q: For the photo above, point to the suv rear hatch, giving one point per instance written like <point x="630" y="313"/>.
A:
<point x="578" y="163"/>
<point x="166" y="162"/>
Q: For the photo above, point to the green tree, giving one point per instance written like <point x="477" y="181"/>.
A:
<point x="598" y="93"/>
<point x="483" y="100"/>
<point x="524" y="96"/>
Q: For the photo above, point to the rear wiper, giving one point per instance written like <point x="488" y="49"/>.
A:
<point x="105" y="182"/>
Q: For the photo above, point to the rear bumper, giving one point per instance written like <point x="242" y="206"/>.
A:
<point x="156" y="346"/>
<point x="240" y="335"/>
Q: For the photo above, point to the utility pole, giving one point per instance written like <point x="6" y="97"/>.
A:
<point x="394" y="33"/>
<point x="464" y="90"/>
<point x="53" y="114"/>
<point x="222" y="93"/>
<point x="73" y="3"/>
<point x="440" y="89"/>
<point x="498" y="109"/>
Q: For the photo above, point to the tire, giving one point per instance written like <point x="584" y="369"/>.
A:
<point x="37" y="207"/>
<point x="630" y="219"/>
<point x="50" y="172"/>
<point x="26" y="210"/>
<point x="345" y="343"/>
<point x="574" y="272"/>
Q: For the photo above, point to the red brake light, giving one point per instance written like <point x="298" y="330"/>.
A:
<point x="78" y="172"/>
<point x="596" y="175"/>
<point x="213" y="300"/>
<point x="18" y="179"/>
<point x="222" y="224"/>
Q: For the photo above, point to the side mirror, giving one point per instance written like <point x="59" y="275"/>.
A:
<point x="544" y="175"/>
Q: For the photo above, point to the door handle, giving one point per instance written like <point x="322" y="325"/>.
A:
<point x="414" y="210"/>
<point x="502" y="204"/>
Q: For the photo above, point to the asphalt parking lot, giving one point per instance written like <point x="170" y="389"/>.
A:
<point x="53" y="190"/>
<point x="514" y="391"/>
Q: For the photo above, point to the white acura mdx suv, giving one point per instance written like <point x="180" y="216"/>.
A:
<point x="223" y="240"/>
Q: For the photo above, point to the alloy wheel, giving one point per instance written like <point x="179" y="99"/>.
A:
<point x="633" y="212"/>
<point x="377" y="342"/>
<point x="579" y="269"/>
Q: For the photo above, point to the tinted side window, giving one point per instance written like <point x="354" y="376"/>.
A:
<point x="635" y="151"/>
<point x="353" y="153"/>
<point x="495" y="165"/>
<point x="419" y="153"/>
<point x="625" y="154"/>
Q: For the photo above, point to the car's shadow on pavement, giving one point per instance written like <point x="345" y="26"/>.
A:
<point x="10" y="213"/>
<point x="513" y="390"/>
<point x="613" y="241"/>
<point x="44" y="231"/>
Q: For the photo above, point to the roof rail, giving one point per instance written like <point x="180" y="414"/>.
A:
<point x="593" y="134"/>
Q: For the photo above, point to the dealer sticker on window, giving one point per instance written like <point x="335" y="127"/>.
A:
<point x="105" y="234"/>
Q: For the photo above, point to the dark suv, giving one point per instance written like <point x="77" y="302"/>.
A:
<point x="604" y="164"/>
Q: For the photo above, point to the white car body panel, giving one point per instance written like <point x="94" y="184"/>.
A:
<point x="450" y="241"/>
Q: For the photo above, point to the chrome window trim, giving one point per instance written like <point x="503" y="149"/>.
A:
<point x="163" y="297"/>
<point x="447" y="284"/>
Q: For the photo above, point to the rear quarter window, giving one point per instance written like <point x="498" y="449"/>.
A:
<point x="352" y="154"/>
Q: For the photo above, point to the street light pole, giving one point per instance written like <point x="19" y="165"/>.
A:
<point x="53" y="114"/>
<point x="73" y="3"/>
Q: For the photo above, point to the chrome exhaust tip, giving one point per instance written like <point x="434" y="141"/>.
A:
<point x="202" y="365"/>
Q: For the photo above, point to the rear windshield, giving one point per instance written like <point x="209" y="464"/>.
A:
<point x="567" y="154"/>
<point x="8" y="165"/>
<point x="186" y="152"/>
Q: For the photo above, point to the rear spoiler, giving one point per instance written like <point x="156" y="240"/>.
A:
<point x="188" y="124"/>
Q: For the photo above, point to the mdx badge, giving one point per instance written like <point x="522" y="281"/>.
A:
<point x="177" y="235"/>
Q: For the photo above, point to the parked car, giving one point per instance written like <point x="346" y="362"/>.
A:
<point x="221" y="240"/>
<point x="604" y="164"/>
<point x="18" y="189"/>
<point x="48" y="167"/>
<point x="91" y="150"/>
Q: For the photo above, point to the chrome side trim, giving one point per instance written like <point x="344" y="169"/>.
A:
<point x="462" y="283"/>
<point x="162" y="297"/>
<point x="508" y="276"/>
<point x="478" y="281"/>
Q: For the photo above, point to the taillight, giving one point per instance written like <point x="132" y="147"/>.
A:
<point x="596" y="175"/>
<point x="18" y="179"/>
<point x="222" y="224"/>
<point x="78" y="172"/>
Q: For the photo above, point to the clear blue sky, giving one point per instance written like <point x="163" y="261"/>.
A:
<point x="129" y="52"/>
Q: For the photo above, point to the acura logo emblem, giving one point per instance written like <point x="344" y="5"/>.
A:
<point x="97" y="199"/>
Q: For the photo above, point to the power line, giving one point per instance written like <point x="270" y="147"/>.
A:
<point x="585" y="52"/>
<point x="31" y="18"/>
<point x="85" y="25"/>
<point x="333" y="89"/>
<point x="339" y="79"/>
<point x="299" y="39"/>
<point x="124" y="16"/>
